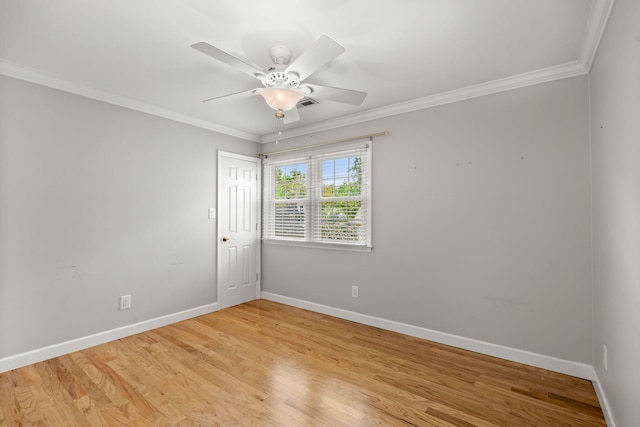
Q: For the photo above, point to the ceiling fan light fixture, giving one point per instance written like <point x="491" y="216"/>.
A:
<point x="281" y="99"/>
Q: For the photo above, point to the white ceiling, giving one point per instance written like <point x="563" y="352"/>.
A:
<point x="407" y="54"/>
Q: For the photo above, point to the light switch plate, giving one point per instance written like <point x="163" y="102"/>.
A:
<point x="125" y="302"/>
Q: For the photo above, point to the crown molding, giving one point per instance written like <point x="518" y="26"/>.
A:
<point x="558" y="72"/>
<point x="34" y="76"/>
<point x="596" y="24"/>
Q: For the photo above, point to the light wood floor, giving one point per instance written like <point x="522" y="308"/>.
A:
<point x="266" y="364"/>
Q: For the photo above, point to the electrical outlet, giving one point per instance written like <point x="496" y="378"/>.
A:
<point x="605" y="362"/>
<point x="125" y="302"/>
<point x="354" y="291"/>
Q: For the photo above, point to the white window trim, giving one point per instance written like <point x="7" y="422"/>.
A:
<point x="319" y="245"/>
<point x="308" y="155"/>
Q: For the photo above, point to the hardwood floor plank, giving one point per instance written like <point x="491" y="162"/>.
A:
<point x="267" y="364"/>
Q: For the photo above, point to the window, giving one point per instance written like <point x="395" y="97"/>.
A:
<point x="322" y="198"/>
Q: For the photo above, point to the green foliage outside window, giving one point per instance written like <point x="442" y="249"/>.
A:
<point x="291" y="182"/>
<point x="340" y="220"/>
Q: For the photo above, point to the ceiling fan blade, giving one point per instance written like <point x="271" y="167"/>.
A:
<point x="320" y="53"/>
<point x="345" y="96"/>
<point x="229" y="59"/>
<point x="291" y="116"/>
<point x="231" y="97"/>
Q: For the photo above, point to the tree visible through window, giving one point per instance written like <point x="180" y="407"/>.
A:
<point x="340" y="199"/>
<point x="322" y="198"/>
<point x="290" y="200"/>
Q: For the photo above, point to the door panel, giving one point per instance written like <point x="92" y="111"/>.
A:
<point x="238" y="231"/>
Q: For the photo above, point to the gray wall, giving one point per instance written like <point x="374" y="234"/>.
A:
<point x="481" y="224"/>
<point x="615" y="130"/>
<point x="99" y="201"/>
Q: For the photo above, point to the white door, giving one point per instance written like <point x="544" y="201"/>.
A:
<point x="238" y="229"/>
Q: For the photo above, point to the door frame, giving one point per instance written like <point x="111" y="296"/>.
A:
<point x="258" y="161"/>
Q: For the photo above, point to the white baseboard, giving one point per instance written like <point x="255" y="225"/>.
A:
<point x="45" y="353"/>
<point x="604" y="403"/>
<point x="576" y="369"/>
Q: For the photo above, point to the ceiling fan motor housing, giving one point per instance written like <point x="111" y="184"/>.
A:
<point x="281" y="79"/>
<point x="276" y="75"/>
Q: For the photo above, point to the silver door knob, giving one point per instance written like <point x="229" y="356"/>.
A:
<point x="225" y="239"/>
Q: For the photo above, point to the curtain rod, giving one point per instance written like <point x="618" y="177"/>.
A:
<point x="353" y="138"/>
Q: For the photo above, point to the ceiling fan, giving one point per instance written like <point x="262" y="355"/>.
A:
<point x="282" y="82"/>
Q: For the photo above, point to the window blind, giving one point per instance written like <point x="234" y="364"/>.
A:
<point x="320" y="197"/>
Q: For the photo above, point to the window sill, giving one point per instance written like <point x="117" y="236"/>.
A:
<point x="316" y="245"/>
